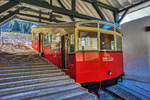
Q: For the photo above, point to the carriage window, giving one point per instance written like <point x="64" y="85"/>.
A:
<point x="87" y="40"/>
<point x="72" y="43"/>
<point x="36" y="37"/>
<point x="106" y="27"/>
<point x="47" y="39"/>
<point x="119" y="43"/>
<point x="55" y="45"/>
<point x="107" y="41"/>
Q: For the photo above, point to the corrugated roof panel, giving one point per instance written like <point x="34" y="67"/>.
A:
<point x="67" y="4"/>
<point x="124" y="3"/>
<point x="64" y="18"/>
<point x="27" y="18"/>
<point x="91" y="10"/>
<point x="82" y="7"/>
<point x="2" y="2"/>
<point x="140" y="7"/>
<point x="108" y="14"/>
<point x="56" y="3"/>
<point x="116" y="4"/>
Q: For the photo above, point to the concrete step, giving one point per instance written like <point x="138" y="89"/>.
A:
<point x="17" y="78"/>
<point x="122" y="93"/>
<point x="25" y="88"/>
<point x="138" y="92"/>
<point x="31" y="81"/>
<point x="27" y="70"/>
<point x="4" y="80"/>
<point x="28" y="73"/>
<point x="84" y="96"/>
<point x="26" y="67"/>
<point x="41" y="92"/>
<point x="26" y="64"/>
<point x="62" y="95"/>
<point x="26" y="76"/>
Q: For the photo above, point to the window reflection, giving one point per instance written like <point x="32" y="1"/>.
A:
<point x="47" y="39"/>
<point x="87" y="40"/>
<point x="119" y="43"/>
<point x="107" y="41"/>
<point x="106" y="27"/>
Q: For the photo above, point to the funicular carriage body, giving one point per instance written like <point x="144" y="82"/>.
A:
<point x="89" y="51"/>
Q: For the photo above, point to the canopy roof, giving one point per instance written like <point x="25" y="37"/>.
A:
<point x="47" y="11"/>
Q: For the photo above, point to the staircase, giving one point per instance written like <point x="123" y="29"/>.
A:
<point x="26" y="76"/>
<point x="38" y="82"/>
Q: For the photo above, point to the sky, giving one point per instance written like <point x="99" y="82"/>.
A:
<point x="139" y="14"/>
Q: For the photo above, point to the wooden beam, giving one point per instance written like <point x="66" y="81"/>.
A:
<point x="61" y="4"/>
<point x="8" y="5"/>
<point x="38" y="17"/>
<point x="98" y="10"/>
<point x="103" y="5"/>
<point x="43" y="4"/>
<point x="8" y="17"/>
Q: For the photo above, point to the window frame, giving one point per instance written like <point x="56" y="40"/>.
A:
<point x="99" y="30"/>
<point x="78" y="41"/>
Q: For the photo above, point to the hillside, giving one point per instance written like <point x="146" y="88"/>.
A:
<point x="18" y="26"/>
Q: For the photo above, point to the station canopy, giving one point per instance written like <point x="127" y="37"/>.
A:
<point x="48" y="11"/>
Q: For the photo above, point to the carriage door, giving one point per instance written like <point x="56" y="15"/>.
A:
<point x="65" y="51"/>
<point x="40" y="43"/>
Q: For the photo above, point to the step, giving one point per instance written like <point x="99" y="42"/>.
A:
<point x="14" y="90"/>
<point x="61" y="95"/>
<point x="106" y="96"/>
<point x="145" y="87"/>
<point x="31" y="81"/>
<point x="122" y="93"/>
<point x="26" y="70"/>
<point x="17" y="78"/>
<point x="28" y="73"/>
<point x="30" y="94"/>
<point x="140" y="93"/>
<point x="29" y="64"/>
<point x="26" y="67"/>
<point x="82" y="97"/>
<point x="31" y="78"/>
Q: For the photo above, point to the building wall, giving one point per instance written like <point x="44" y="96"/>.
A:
<point x="136" y="48"/>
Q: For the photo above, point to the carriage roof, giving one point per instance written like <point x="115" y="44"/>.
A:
<point x="72" y="24"/>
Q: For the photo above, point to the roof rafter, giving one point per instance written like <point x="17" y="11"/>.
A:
<point x="73" y="5"/>
<point x="39" y="17"/>
<point x="9" y="16"/>
<point x="20" y="18"/>
<point x="8" y="5"/>
<point x="103" y="5"/>
<point x="59" y="1"/>
<point x="98" y="10"/>
<point x="43" y="13"/>
<point x="134" y="5"/>
<point x="56" y="9"/>
<point x="125" y="12"/>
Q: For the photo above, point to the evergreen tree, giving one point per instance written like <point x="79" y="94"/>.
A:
<point x="19" y="26"/>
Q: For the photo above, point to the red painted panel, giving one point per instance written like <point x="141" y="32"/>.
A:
<point x="88" y="66"/>
<point x="35" y="45"/>
<point x="72" y="70"/>
<point x="52" y="55"/>
<point x="94" y="66"/>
